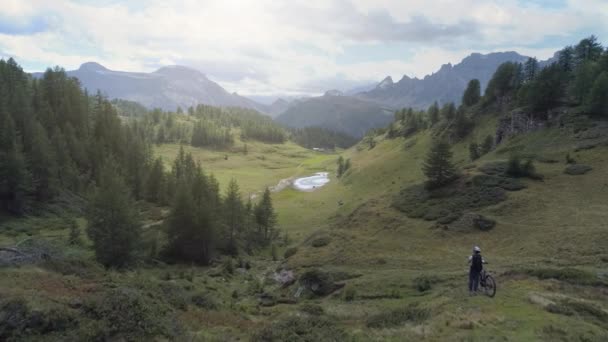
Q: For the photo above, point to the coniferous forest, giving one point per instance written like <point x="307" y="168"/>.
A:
<point x="58" y="143"/>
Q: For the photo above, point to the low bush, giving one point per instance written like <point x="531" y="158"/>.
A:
<point x="80" y="267"/>
<point x="312" y="309"/>
<point x="318" y="282"/>
<point x="349" y="294"/>
<point x="320" y="241"/>
<point x="204" y="300"/>
<point x="424" y="283"/>
<point x="289" y="252"/>
<point x="300" y="329"/>
<point x="446" y="205"/>
<point x="410" y="313"/>
<point x="19" y="322"/>
<point x="127" y="314"/>
<point x="509" y="184"/>
<point x="516" y="167"/>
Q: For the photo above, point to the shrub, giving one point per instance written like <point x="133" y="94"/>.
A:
<point x="349" y="293"/>
<point x="570" y="160"/>
<point x="126" y="314"/>
<point x="18" y="321"/>
<point x="410" y="313"/>
<point x="204" y="300"/>
<point x="424" y="283"/>
<point x="321" y="241"/>
<point x="312" y="309"/>
<point x="228" y="266"/>
<point x="273" y="252"/>
<point x="517" y="168"/>
<point x="509" y="184"/>
<point x="319" y="282"/>
<point x="484" y="224"/>
<point x="299" y="329"/>
<point x="80" y="267"/>
<point x="289" y="252"/>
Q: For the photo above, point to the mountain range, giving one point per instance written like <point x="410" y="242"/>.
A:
<point x="445" y="85"/>
<point x="352" y="112"/>
<point x="167" y="88"/>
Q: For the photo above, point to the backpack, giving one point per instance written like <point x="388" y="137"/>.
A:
<point x="477" y="263"/>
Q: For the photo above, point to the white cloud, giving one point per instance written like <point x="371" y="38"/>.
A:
<point x="266" y="46"/>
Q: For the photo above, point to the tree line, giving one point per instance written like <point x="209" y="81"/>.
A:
<point x="56" y="138"/>
<point x="311" y="137"/>
<point x="213" y="127"/>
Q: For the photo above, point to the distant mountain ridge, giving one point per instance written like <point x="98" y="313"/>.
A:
<point x="338" y="112"/>
<point x="445" y="85"/>
<point x="167" y="88"/>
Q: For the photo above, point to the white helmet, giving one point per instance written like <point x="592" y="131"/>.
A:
<point x="477" y="249"/>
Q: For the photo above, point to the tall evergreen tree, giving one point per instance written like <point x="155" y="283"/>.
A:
<point x="597" y="100"/>
<point x="340" y="169"/>
<point x="234" y="217"/>
<point x="266" y="219"/>
<point x="530" y="69"/>
<point x="448" y="111"/>
<point x="113" y="225"/>
<point x="438" y="167"/>
<point x="472" y="94"/>
<point x="433" y="113"/>
<point x="566" y="59"/>
<point x="155" y="183"/>
<point x="588" y="49"/>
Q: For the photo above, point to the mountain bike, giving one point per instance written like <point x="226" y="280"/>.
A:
<point x="487" y="284"/>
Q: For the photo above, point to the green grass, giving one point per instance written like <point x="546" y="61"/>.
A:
<point x="547" y="251"/>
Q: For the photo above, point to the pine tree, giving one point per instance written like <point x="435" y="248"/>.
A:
<point x="340" y="170"/>
<point x="472" y="94"/>
<point x="266" y="219"/>
<point x="155" y="183"/>
<point x="346" y="165"/>
<point x="588" y="49"/>
<point x="113" y="225"/>
<point x="530" y="69"/>
<point x="42" y="163"/>
<point x="488" y="144"/>
<point x="433" y="113"/>
<point x="234" y="217"/>
<point x="584" y="78"/>
<point x="474" y="151"/>
<point x="448" y="111"/>
<point x="566" y="59"/>
<point x="597" y="100"/>
<point x="438" y="167"/>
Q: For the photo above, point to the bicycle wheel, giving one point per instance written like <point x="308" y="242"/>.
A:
<point x="490" y="286"/>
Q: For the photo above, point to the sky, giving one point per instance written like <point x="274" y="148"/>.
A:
<point x="265" y="48"/>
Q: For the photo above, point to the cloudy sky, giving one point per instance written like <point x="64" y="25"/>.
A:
<point x="269" y="47"/>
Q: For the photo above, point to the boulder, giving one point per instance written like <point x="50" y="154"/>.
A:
<point x="577" y="169"/>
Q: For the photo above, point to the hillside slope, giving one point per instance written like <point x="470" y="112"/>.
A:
<point x="336" y="112"/>
<point x="554" y="229"/>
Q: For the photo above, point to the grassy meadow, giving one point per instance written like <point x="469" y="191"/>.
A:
<point x="404" y="278"/>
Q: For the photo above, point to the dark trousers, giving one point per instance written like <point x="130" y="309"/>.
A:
<point x="473" y="280"/>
